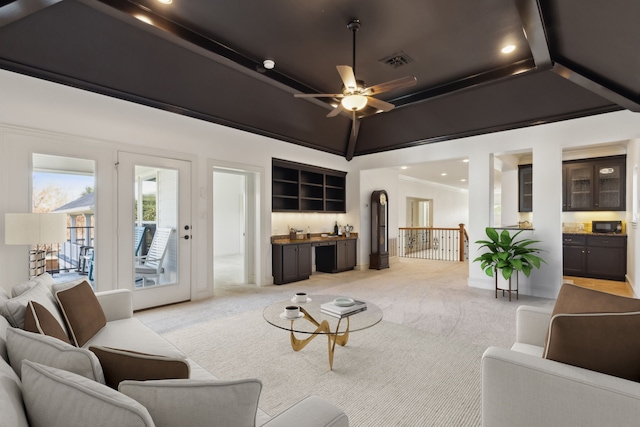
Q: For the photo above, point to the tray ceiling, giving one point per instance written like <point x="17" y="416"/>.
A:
<point x="204" y="58"/>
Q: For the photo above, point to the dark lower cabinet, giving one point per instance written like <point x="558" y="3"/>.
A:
<point x="332" y="258"/>
<point x="598" y="257"/>
<point x="291" y="262"/>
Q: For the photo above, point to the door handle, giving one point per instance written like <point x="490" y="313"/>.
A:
<point x="186" y="237"/>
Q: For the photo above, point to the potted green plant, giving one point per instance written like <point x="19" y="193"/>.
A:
<point x="507" y="254"/>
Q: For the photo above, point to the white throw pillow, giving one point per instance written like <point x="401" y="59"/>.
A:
<point x="21" y="288"/>
<point x="57" y="398"/>
<point x="14" y="309"/>
<point x="171" y="402"/>
<point x="50" y="351"/>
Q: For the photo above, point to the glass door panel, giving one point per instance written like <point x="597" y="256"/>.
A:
<point x="154" y="224"/>
<point x="580" y="187"/>
<point x="610" y="186"/>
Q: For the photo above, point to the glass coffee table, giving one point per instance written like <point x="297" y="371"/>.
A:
<point x="313" y="322"/>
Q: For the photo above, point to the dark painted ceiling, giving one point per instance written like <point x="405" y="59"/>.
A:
<point x="203" y="58"/>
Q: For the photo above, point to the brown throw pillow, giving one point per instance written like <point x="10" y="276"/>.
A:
<point x="595" y="330"/>
<point x="119" y="365"/>
<point x="38" y="319"/>
<point x="81" y="310"/>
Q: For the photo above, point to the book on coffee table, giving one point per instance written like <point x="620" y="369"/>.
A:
<point x="332" y="309"/>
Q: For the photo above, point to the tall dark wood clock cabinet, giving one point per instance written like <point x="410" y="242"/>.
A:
<point x="379" y="257"/>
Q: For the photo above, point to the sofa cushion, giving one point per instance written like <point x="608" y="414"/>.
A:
<point x="596" y="331"/>
<point x="219" y="403"/>
<point x="4" y="325"/>
<point x="81" y="310"/>
<point x="3" y="294"/>
<point x="134" y="335"/>
<point x="119" y="365"/>
<point x="21" y="288"/>
<point x="55" y="397"/>
<point x="39" y="320"/>
<point x="14" y="308"/>
<point x="11" y="406"/>
<point x="23" y="345"/>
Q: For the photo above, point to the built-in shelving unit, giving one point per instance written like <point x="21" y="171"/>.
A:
<point x="297" y="187"/>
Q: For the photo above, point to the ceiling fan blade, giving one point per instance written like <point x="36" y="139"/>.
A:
<point x="339" y="109"/>
<point x="379" y="104"/>
<point x="391" y="85"/>
<point x="347" y="76"/>
<point x="318" y="95"/>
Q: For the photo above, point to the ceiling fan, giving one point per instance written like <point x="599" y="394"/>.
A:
<point x="355" y="94"/>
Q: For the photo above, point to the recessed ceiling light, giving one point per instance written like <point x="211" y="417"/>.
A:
<point x="404" y="167"/>
<point x="269" y="64"/>
<point x="463" y="180"/>
<point x="508" y="48"/>
<point x="443" y="174"/>
<point x="144" y="19"/>
<point x="465" y="160"/>
<point x="166" y="1"/>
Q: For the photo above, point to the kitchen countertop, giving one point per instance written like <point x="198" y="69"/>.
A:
<point x="589" y="233"/>
<point x="315" y="238"/>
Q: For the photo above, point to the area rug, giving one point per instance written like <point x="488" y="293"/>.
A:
<point x="387" y="375"/>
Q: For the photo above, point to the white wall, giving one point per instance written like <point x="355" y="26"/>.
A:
<point x="55" y="119"/>
<point x="450" y="205"/>
<point x="633" y="238"/>
<point x="546" y="142"/>
<point x="59" y="120"/>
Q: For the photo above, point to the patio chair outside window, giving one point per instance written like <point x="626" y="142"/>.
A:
<point x="138" y="238"/>
<point x="151" y="264"/>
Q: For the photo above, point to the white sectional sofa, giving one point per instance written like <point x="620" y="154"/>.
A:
<point x="198" y="401"/>
<point x="521" y="388"/>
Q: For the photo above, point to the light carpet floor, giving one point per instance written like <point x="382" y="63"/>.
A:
<point x="419" y="367"/>
<point x="387" y="375"/>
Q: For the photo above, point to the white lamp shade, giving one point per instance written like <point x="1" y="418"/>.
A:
<point x="34" y="228"/>
<point x="354" y="102"/>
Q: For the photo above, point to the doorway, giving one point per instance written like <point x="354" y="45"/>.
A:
<point x="235" y="199"/>
<point x="419" y="212"/>
<point x="154" y="229"/>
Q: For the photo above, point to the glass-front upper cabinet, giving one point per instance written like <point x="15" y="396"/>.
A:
<point x="610" y="185"/>
<point x="579" y="187"/>
<point x="595" y="184"/>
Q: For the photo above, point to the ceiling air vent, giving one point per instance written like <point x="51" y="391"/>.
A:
<point x="397" y="59"/>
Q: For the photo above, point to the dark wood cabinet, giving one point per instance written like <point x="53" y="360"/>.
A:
<point x="595" y="256"/>
<point x="607" y="257"/>
<point x="597" y="184"/>
<point x="574" y="255"/>
<point x="379" y="257"/>
<point x="296" y="187"/>
<point x="336" y="256"/>
<point x="525" y="188"/>
<point x="291" y="262"/>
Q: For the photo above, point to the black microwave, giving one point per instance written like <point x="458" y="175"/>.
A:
<point x="606" y="227"/>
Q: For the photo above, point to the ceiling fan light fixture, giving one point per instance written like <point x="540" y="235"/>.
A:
<point x="354" y="102"/>
<point x="508" y="49"/>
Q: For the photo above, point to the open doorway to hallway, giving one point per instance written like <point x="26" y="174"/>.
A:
<point x="234" y="226"/>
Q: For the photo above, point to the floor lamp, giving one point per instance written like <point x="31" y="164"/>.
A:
<point x="35" y="229"/>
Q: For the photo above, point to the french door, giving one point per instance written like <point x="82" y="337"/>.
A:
<point x="154" y="229"/>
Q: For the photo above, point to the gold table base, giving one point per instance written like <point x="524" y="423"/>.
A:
<point x="333" y="338"/>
